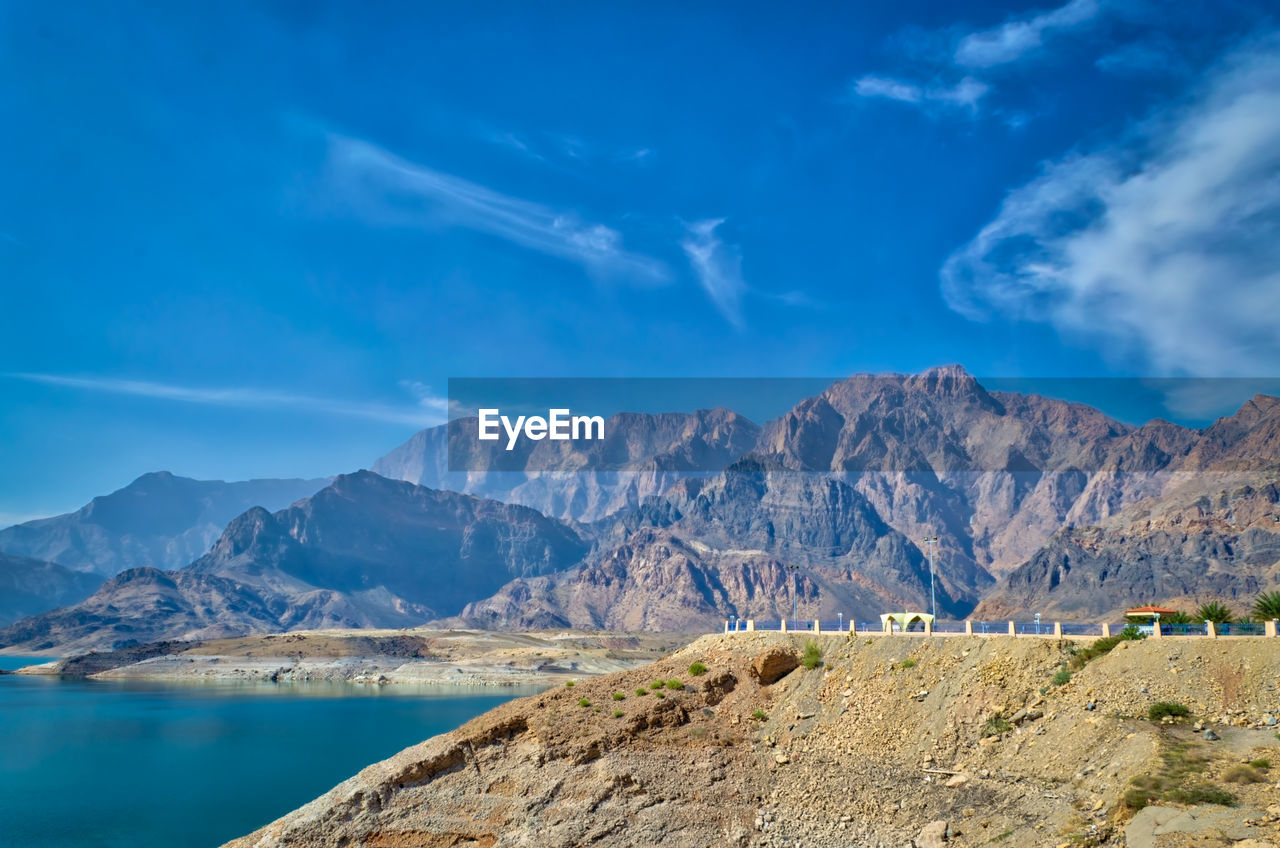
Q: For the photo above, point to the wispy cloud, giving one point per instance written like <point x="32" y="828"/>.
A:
<point x="952" y="56"/>
<point x="718" y="267"/>
<point x="1164" y="247"/>
<point x="1020" y="36"/>
<point x="386" y="188"/>
<point x="964" y="94"/>
<point x="428" y="411"/>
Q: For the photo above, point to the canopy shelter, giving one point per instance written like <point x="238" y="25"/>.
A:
<point x="1149" y="612"/>
<point x="903" y="619"/>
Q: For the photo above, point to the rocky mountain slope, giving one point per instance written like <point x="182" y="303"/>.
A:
<point x="1194" y="544"/>
<point x="363" y="552"/>
<point x="743" y="545"/>
<point x="641" y="455"/>
<point x="29" y="586"/>
<point x="846" y="486"/>
<point x="157" y="521"/>
<point x="890" y="742"/>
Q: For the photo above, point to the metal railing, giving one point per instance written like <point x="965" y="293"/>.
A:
<point x="1001" y="628"/>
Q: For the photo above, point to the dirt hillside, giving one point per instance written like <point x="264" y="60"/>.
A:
<point x="890" y="741"/>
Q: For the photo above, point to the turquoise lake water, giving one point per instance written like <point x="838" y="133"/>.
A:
<point x="156" y="765"/>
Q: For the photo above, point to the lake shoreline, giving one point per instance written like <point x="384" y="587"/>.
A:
<point x="377" y="658"/>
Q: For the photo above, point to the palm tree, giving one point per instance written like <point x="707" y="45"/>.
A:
<point x="1215" y="611"/>
<point x="1267" y="606"/>
<point x="1178" y="617"/>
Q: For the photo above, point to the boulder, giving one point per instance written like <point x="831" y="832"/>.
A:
<point x="774" y="664"/>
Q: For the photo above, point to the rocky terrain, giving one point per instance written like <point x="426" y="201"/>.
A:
<point x="157" y="521"/>
<point x="379" y="657"/>
<point x="641" y="455"/>
<point x="363" y="552"/>
<point x="889" y="741"/>
<point x="1215" y="537"/>
<point x="848" y="483"/>
<point x="29" y="586"/>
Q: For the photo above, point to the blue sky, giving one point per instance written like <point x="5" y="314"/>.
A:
<point x="247" y="240"/>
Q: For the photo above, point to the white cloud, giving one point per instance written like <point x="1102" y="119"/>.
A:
<point x="1164" y="248"/>
<point x="718" y="267"/>
<point x="965" y="94"/>
<point x="386" y="188"/>
<point x="428" y="411"/>
<point x="1017" y="37"/>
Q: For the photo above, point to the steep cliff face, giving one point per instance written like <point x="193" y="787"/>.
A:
<point x="158" y="521"/>
<point x="363" y="552"/>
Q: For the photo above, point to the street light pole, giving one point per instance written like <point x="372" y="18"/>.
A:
<point x="795" y="589"/>
<point x="933" y="600"/>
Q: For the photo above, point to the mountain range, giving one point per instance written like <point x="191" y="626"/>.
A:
<point x="158" y="521"/>
<point x="681" y="520"/>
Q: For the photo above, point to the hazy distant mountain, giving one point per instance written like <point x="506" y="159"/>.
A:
<point x="363" y="552"/>
<point x="29" y="587"/>
<point x="640" y="456"/>
<point x="157" y="521"/>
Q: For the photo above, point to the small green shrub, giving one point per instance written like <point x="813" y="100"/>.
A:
<point x="1136" y="799"/>
<point x="907" y="663"/>
<point x="812" y="657"/>
<point x="1061" y="677"/>
<point x="583" y="702"/>
<point x="1201" y="793"/>
<point x="618" y="696"/>
<point x="657" y="684"/>
<point x="660" y="694"/>
<point x="1160" y="709"/>
<point x="760" y="715"/>
<point x="697" y="669"/>
<point x="1243" y="774"/>
<point x="641" y="692"/>
<point x="618" y="713"/>
<point x="1260" y="764"/>
<point x="996" y="725"/>
<point x="595" y="709"/>
<point x="1131" y="633"/>
<point x="674" y="683"/>
<point x="568" y="684"/>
